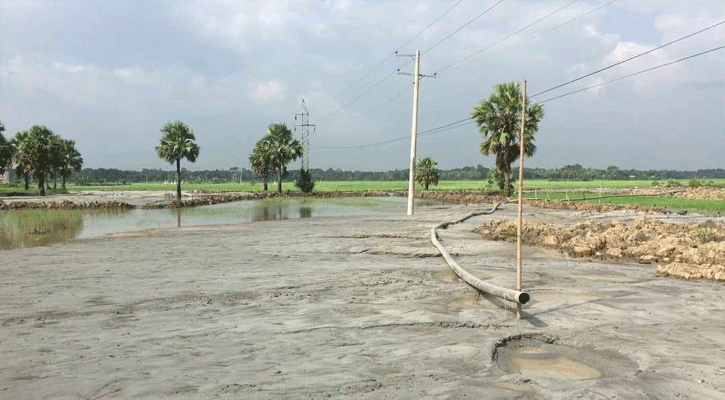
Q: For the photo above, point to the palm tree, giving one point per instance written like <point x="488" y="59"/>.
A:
<point x="261" y="161"/>
<point x="6" y="151"/>
<point x="177" y="142"/>
<point x="35" y="154"/>
<point x="69" y="160"/>
<point x="426" y="172"/>
<point x="499" y="120"/>
<point x="283" y="149"/>
<point x="21" y="169"/>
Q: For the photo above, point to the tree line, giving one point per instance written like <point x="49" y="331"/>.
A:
<point x="39" y="154"/>
<point x="92" y="176"/>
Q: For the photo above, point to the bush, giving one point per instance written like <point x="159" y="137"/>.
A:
<point x="304" y="183"/>
<point x="655" y="183"/>
<point x="496" y="178"/>
<point x="694" y="183"/>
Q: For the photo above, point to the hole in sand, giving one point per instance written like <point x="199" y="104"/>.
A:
<point x="541" y="359"/>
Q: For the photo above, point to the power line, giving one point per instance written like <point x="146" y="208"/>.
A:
<point x="627" y="60"/>
<point x="380" y="64"/>
<point x="507" y="37"/>
<point x="634" y="74"/>
<point x="376" y="84"/>
<point x="390" y="100"/>
<point x="431" y="24"/>
<point x="467" y="120"/>
<point x="441" y="128"/>
<point x="558" y="26"/>
<point x="463" y="26"/>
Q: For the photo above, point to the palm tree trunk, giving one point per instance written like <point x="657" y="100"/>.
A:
<point x="41" y="184"/>
<point x="507" y="182"/>
<point x="178" y="180"/>
<point x="426" y="185"/>
<point x="265" y="185"/>
<point x="63" y="184"/>
<point x="279" y="180"/>
<point x="27" y="181"/>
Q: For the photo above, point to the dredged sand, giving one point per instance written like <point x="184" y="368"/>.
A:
<point x="346" y="308"/>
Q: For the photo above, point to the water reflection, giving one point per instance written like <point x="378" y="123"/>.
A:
<point x="29" y="228"/>
<point x="305" y="212"/>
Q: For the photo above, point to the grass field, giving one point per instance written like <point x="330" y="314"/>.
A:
<point x="350" y="185"/>
<point x="711" y="206"/>
<point x="673" y="203"/>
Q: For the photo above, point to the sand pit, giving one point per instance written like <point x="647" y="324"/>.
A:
<point x="345" y="308"/>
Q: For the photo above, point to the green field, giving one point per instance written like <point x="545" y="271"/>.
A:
<point x="711" y="206"/>
<point x="672" y="203"/>
<point x="349" y="185"/>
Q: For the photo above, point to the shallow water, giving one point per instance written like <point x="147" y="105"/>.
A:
<point x="30" y="228"/>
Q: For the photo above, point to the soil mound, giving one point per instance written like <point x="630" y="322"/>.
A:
<point x="689" y="251"/>
<point x="65" y="205"/>
<point x="591" y="207"/>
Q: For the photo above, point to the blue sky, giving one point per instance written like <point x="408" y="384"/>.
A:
<point x="109" y="74"/>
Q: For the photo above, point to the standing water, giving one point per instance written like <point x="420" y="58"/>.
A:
<point x="30" y="228"/>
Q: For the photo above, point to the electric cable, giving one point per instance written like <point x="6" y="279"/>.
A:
<point x="627" y="60"/>
<point x="391" y="55"/>
<point x="633" y="74"/>
<point x="463" y="26"/>
<point x="507" y="37"/>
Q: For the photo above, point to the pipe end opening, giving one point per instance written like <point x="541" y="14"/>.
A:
<point x="524" y="298"/>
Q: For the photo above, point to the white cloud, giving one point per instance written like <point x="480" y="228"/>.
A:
<point x="198" y="82"/>
<point x="590" y="31"/>
<point x="133" y="76"/>
<point x="73" y="68"/>
<point x="269" y="92"/>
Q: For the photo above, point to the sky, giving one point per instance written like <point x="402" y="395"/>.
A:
<point x="110" y="74"/>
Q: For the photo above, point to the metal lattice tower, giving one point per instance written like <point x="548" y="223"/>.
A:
<point x="305" y="128"/>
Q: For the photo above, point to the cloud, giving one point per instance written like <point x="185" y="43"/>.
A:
<point x="133" y="76"/>
<point x="590" y="31"/>
<point x="73" y="68"/>
<point x="269" y="92"/>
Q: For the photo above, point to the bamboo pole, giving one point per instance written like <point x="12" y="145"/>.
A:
<point x="519" y="222"/>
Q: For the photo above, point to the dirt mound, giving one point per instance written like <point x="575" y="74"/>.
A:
<point x="699" y="192"/>
<point x="690" y="251"/>
<point x="586" y="206"/>
<point x="65" y="205"/>
<point x="463" y="196"/>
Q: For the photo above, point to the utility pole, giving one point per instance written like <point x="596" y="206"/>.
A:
<point x="305" y="127"/>
<point x="519" y="224"/>
<point x="414" y="128"/>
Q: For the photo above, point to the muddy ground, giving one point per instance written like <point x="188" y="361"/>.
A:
<point x="349" y="308"/>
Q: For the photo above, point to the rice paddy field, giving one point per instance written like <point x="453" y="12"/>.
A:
<point x="353" y="185"/>
<point x="542" y="189"/>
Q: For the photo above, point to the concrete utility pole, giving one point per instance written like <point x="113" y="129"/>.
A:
<point x="414" y="128"/>
<point x="305" y="126"/>
<point x="520" y="221"/>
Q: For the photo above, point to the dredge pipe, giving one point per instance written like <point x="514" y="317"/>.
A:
<point x="498" y="291"/>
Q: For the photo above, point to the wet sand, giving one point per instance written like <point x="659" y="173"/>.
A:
<point x="347" y="308"/>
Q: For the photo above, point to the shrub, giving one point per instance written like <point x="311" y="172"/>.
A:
<point x="304" y="182"/>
